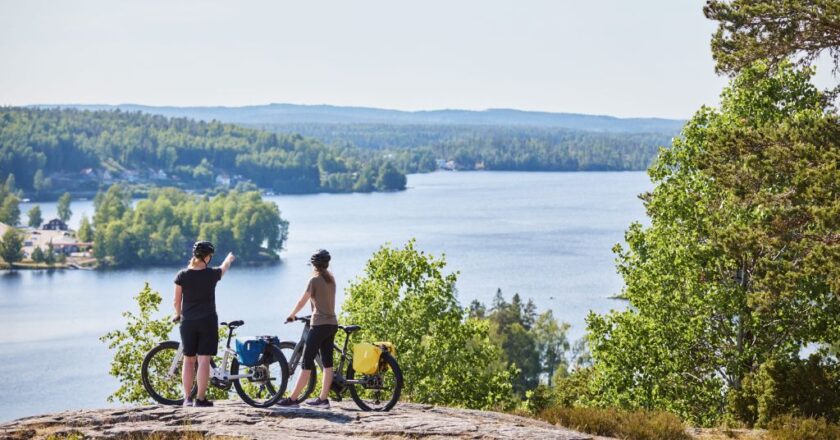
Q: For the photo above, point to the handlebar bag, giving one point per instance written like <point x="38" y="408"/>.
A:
<point x="248" y="351"/>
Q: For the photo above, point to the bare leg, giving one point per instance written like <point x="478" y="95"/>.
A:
<point x="188" y="375"/>
<point x="203" y="376"/>
<point x="326" y="384"/>
<point x="301" y="382"/>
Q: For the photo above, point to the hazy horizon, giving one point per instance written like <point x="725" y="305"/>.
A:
<point x="363" y="107"/>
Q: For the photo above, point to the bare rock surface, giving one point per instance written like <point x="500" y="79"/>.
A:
<point x="236" y="420"/>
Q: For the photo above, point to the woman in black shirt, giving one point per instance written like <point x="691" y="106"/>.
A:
<point x="195" y="308"/>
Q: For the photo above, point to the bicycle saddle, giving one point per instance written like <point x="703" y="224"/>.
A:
<point x="350" y="328"/>
<point x="234" y="324"/>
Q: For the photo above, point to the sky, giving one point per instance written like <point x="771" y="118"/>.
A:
<point x="623" y="58"/>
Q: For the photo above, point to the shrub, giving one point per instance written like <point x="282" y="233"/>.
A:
<point x="447" y="357"/>
<point x="797" y="387"/>
<point x="798" y="428"/>
<point x="631" y="425"/>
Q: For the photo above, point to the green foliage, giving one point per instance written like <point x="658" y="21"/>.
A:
<point x="161" y="228"/>
<point x="773" y="30"/>
<point x="49" y="256"/>
<point x="573" y="388"/>
<point x="85" y="232"/>
<point x="9" y="203"/>
<point x="64" y="212"/>
<point x="49" y="147"/>
<point x="390" y="179"/>
<point x="35" y="218"/>
<point x="447" y="357"/>
<point x="38" y="255"/>
<point x="535" y="344"/>
<point x="795" y="428"/>
<point x="631" y="425"/>
<point x="741" y="262"/>
<point x="141" y="334"/>
<point x="11" y="246"/>
<point x="797" y="387"/>
<point x="416" y="148"/>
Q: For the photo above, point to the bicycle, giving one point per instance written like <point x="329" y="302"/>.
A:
<point x="261" y="385"/>
<point x="368" y="391"/>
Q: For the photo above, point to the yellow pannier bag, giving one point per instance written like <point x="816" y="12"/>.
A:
<point x="366" y="358"/>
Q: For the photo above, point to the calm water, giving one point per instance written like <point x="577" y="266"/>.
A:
<point x="546" y="236"/>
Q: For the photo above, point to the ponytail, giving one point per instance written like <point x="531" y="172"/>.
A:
<point x="328" y="277"/>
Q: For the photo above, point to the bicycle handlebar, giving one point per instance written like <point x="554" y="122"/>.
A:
<point x="299" y="318"/>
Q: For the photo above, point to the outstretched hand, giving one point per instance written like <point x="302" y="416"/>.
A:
<point x="230" y="257"/>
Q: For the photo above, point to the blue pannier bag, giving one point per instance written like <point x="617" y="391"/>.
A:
<point x="248" y="351"/>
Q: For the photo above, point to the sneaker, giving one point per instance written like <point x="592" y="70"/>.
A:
<point x="318" y="403"/>
<point x="187" y="403"/>
<point x="288" y="403"/>
<point x="205" y="402"/>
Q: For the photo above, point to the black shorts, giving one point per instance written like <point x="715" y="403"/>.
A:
<point x="200" y="336"/>
<point x="320" y="339"/>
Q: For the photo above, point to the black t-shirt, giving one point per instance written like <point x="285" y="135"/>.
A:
<point x="199" y="292"/>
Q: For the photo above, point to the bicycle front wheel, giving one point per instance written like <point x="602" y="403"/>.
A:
<point x="288" y="349"/>
<point x="267" y="381"/>
<point x="380" y="391"/>
<point x="161" y="374"/>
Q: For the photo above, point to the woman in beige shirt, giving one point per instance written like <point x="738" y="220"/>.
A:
<point x="320" y="292"/>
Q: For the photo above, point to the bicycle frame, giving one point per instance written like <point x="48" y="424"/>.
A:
<point x="297" y="355"/>
<point x="218" y="372"/>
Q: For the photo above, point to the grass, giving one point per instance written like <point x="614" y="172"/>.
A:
<point x="798" y="428"/>
<point x="611" y="422"/>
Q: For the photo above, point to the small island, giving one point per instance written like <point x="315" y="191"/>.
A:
<point x="158" y="230"/>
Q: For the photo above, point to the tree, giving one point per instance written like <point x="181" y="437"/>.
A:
<point x="39" y="183"/>
<point x="11" y="246"/>
<point x="741" y="262"/>
<point x="10" y="185"/>
<point x="773" y="30"/>
<point x="405" y="298"/>
<point x="511" y="326"/>
<point x="64" y="212"/>
<point x="85" y="232"/>
<point x="552" y="343"/>
<point x="390" y="179"/>
<point x="35" y="219"/>
<point x="49" y="256"/>
<point x="38" y="255"/>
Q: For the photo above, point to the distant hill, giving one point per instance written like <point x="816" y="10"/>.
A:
<point x="294" y="114"/>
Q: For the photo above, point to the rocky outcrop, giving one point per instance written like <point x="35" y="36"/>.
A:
<point x="235" y="420"/>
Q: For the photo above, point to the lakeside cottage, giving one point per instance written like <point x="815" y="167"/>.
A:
<point x="63" y="240"/>
<point x="55" y="224"/>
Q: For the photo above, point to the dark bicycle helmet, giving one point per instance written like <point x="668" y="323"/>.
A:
<point x="202" y="249"/>
<point x="320" y="258"/>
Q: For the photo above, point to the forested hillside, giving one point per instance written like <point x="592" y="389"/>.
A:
<point x="81" y="150"/>
<point x="419" y="148"/>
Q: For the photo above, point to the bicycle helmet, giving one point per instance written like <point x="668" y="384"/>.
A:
<point x="202" y="249"/>
<point x="321" y="258"/>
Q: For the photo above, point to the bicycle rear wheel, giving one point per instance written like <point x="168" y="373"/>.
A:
<point x="163" y="387"/>
<point x="269" y="380"/>
<point x="380" y="391"/>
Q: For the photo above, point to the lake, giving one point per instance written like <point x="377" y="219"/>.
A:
<point x="546" y="236"/>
